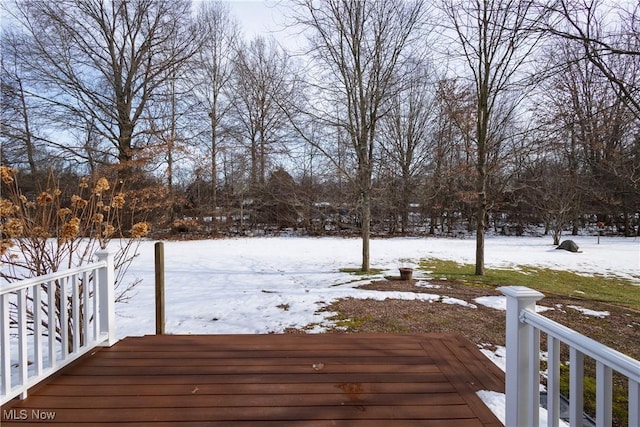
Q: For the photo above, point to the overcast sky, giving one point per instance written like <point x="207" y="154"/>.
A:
<point x="264" y="17"/>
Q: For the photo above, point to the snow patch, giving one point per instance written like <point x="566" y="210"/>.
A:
<point x="495" y="302"/>
<point x="587" y="312"/>
<point x="456" y="301"/>
<point x="500" y="303"/>
<point x="497" y="356"/>
<point x="425" y="284"/>
<point x="497" y="401"/>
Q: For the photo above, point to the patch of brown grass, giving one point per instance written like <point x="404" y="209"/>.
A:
<point x="481" y="325"/>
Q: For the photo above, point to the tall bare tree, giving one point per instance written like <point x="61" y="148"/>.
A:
<point x="264" y="81"/>
<point x="358" y="48"/>
<point x="406" y="136"/>
<point x="170" y="133"/>
<point x="104" y="60"/>
<point x="212" y="72"/>
<point x="19" y="142"/>
<point x="451" y="173"/>
<point x="496" y="41"/>
<point x="31" y="120"/>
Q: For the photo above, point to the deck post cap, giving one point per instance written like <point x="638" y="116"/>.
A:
<point x="521" y="292"/>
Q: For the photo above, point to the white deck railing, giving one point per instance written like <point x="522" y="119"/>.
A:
<point x="523" y="367"/>
<point x="49" y="321"/>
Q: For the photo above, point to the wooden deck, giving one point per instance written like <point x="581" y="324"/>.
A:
<point x="269" y="380"/>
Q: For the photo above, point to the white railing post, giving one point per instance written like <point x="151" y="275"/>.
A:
<point x="634" y="403"/>
<point x="5" y="357"/>
<point x="553" y="382"/>
<point x="106" y="297"/>
<point x="604" y="395"/>
<point x="23" y="356"/>
<point x="519" y="387"/>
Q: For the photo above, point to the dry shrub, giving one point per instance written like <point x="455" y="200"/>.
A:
<point x="52" y="230"/>
<point x="186" y="225"/>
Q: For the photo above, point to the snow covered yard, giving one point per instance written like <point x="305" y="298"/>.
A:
<point x="261" y="285"/>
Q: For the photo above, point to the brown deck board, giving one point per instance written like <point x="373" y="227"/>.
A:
<point x="271" y="380"/>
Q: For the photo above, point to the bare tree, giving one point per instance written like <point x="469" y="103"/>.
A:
<point x="282" y="203"/>
<point x="600" y="82"/>
<point x="31" y="119"/>
<point x="17" y="113"/>
<point x="550" y="188"/>
<point x="263" y="83"/>
<point x="450" y="180"/>
<point x="406" y="138"/>
<point x="496" y="41"/>
<point x="608" y="35"/>
<point x="358" y="48"/>
<point x="104" y="60"/>
<point x="595" y="133"/>
<point x="212" y="72"/>
<point x="168" y="121"/>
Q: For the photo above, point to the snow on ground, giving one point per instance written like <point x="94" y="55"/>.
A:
<point x="496" y="402"/>
<point x="500" y="303"/>
<point x="588" y="312"/>
<point x="498" y="356"/>
<point x="426" y="284"/>
<point x="261" y="285"/>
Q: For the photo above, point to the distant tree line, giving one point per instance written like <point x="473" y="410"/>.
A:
<point x="393" y="118"/>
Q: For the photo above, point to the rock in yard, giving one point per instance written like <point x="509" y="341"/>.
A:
<point x="568" y="245"/>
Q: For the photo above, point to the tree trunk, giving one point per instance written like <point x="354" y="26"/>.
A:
<point x="170" y="147"/>
<point x="170" y="189"/>
<point x="124" y="143"/>
<point x="433" y="223"/>
<point x="404" y="221"/>
<point x="480" y="231"/>
<point x="27" y="131"/>
<point x="254" y="161"/>
<point x="406" y="201"/>
<point x="214" y="168"/>
<point x="366" y="230"/>
<point x="263" y="156"/>
<point x="481" y="212"/>
<point x="627" y="224"/>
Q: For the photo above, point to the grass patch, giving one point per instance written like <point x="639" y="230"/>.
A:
<point x="348" y="323"/>
<point x="614" y="290"/>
